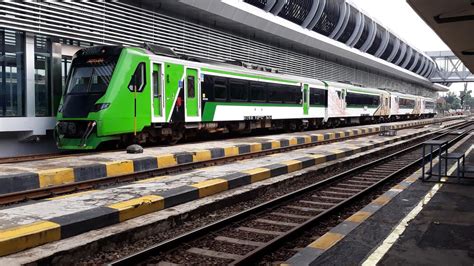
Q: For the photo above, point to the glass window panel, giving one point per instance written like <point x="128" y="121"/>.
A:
<point x="12" y="73"/>
<point x="238" y="90"/>
<point x="191" y="87"/>
<point x="42" y="91"/>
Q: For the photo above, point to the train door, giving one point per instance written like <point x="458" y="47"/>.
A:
<point x="386" y="104"/>
<point x="305" y="99"/>
<point x="157" y="92"/>
<point x="343" y="98"/>
<point x="192" y="95"/>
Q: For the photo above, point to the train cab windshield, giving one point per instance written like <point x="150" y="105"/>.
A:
<point x="89" y="79"/>
<point x="92" y="79"/>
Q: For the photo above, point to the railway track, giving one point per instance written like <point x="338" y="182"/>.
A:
<point x="45" y="192"/>
<point x="247" y="236"/>
<point x="38" y="157"/>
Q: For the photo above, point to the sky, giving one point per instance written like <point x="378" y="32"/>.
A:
<point x="400" y="18"/>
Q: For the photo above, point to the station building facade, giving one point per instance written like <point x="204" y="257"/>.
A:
<point x="38" y="40"/>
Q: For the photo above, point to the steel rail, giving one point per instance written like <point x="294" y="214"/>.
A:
<point x="272" y="204"/>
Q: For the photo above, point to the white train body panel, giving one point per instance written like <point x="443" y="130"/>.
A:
<point x="238" y="113"/>
<point x="351" y="112"/>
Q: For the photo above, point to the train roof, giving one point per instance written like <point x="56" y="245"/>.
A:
<point x="235" y="69"/>
<point x="238" y="69"/>
<point x="353" y="87"/>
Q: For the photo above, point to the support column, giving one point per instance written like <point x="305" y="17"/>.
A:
<point x="30" y="75"/>
<point x="55" y="77"/>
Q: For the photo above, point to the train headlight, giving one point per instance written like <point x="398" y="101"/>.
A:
<point x="101" y="106"/>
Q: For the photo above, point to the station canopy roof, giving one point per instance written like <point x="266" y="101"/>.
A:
<point x="453" y="21"/>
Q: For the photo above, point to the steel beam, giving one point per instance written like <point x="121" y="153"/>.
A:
<point x="383" y="44"/>
<point x="269" y="5"/>
<point x="417" y="57"/>
<point x="311" y="13"/>
<point x="317" y="16"/>
<point x="403" y="51"/>
<point x="359" y="27"/>
<point x="344" y="24"/>
<point x="342" y="17"/>
<point x="396" y="47"/>
<point x="370" y="37"/>
<point x="409" y="55"/>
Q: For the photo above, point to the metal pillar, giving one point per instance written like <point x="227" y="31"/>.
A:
<point x="30" y="75"/>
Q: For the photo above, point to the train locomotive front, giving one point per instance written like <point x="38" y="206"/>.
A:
<point x="98" y="103"/>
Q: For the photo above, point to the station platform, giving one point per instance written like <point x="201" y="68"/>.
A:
<point x="414" y="223"/>
<point x="17" y="177"/>
<point x="45" y="221"/>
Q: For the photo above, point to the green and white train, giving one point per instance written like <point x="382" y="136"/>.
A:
<point x="150" y="95"/>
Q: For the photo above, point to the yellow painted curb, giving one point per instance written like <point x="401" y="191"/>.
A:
<point x="119" y="167"/>
<point x="293" y="165"/>
<point x="382" y="200"/>
<point x="166" y="160"/>
<point x="258" y="174"/>
<point x="54" y="177"/>
<point x="211" y="187"/>
<point x="326" y="241"/>
<point x="27" y="236"/>
<point x="275" y="144"/>
<point x="359" y="217"/>
<point x="231" y="151"/>
<point x="203" y="155"/>
<point x="255" y="147"/>
<point x="319" y="158"/>
<point x="139" y="206"/>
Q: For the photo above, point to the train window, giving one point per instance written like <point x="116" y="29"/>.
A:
<point x="406" y="103"/>
<point x="339" y="94"/>
<point x="156" y="84"/>
<point x="220" y="89"/>
<point x="191" y="88"/>
<point x="257" y="92"/>
<point x="207" y="87"/>
<point x="429" y="105"/>
<point x="318" y="97"/>
<point x="138" y="80"/>
<point x="289" y="94"/>
<point x="362" y="100"/>
<point x="276" y="93"/>
<point x="238" y="90"/>
<point x="298" y="94"/>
